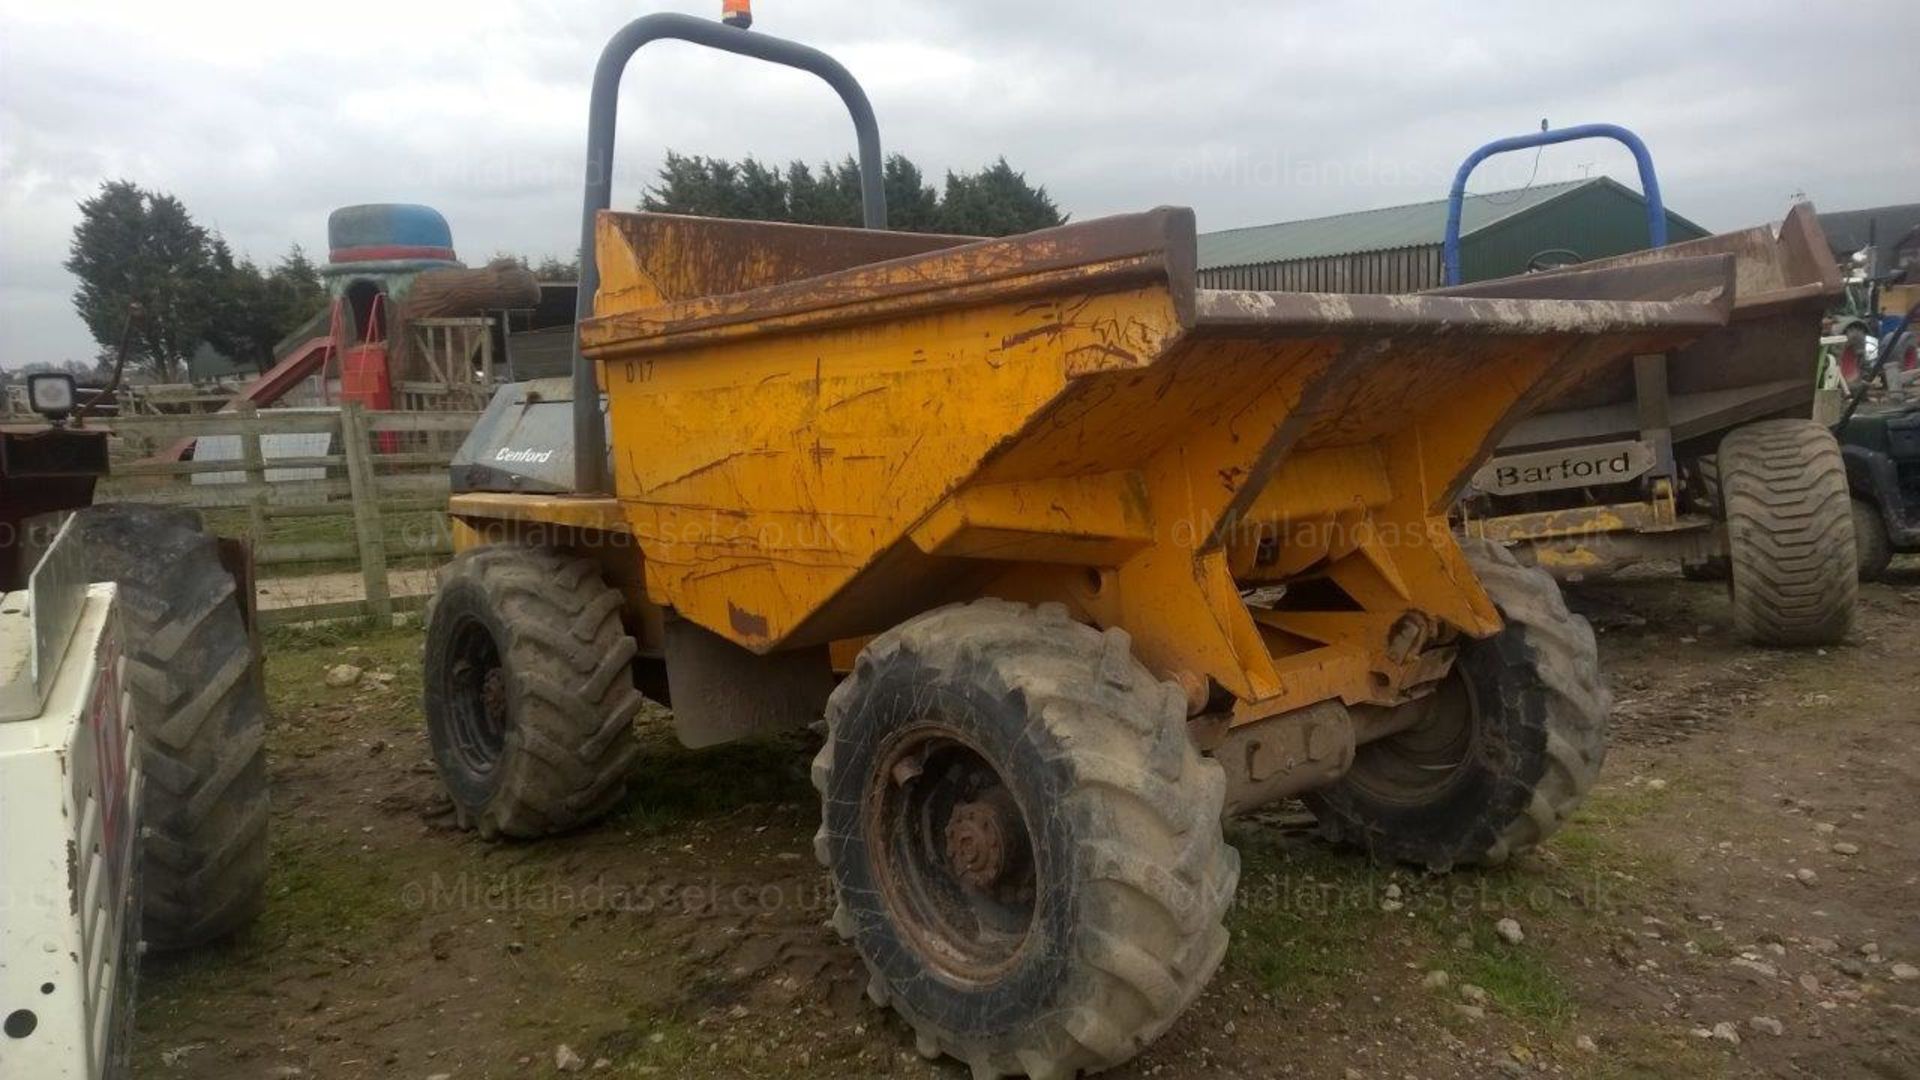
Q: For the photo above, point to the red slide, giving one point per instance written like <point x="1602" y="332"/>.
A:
<point x="268" y="387"/>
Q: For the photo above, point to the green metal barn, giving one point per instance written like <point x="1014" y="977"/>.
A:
<point x="1397" y="249"/>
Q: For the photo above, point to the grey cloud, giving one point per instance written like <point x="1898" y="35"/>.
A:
<point x="1248" y="111"/>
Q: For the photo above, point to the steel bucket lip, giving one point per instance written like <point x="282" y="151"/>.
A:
<point x="1683" y="294"/>
<point x="1788" y="266"/>
<point x="1157" y="247"/>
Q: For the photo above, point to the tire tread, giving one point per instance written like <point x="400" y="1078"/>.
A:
<point x="200" y="720"/>
<point x="1793" y="564"/>
<point x="566" y="762"/>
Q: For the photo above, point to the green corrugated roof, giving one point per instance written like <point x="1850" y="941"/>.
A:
<point x="1847" y="230"/>
<point x="1413" y="225"/>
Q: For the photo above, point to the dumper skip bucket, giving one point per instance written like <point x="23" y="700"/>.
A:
<point x="817" y="433"/>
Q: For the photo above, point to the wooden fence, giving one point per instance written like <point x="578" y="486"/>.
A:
<point x="452" y="364"/>
<point x="375" y="466"/>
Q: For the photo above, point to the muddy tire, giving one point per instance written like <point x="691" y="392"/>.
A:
<point x="200" y="715"/>
<point x="1790" y="544"/>
<point x="1025" y="845"/>
<point x="1505" y="749"/>
<point x="1872" y="546"/>
<point x="529" y="692"/>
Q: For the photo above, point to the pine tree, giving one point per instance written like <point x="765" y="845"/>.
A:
<point x="553" y="268"/>
<point x="137" y="247"/>
<point x="996" y="201"/>
<point x="912" y="204"/>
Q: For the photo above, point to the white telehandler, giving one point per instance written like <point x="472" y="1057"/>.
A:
<point x="133" y="784"/>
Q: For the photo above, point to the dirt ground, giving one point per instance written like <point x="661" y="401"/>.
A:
<point x="1740" y="897"/>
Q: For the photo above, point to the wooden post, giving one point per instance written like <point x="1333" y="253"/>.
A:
<point x="357" y="444"/>
<point x="478" y="395"/>
<point x="486" y="351"/>
<point x="256" y="463"/>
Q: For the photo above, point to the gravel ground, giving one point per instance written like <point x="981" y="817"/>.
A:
<point x="1740" y="897"/>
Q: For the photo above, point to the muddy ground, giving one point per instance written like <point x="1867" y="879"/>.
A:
<point x="1740" y="897"/>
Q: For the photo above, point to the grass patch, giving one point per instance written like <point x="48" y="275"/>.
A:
<point x="1712" y="944"/>
<point x="670" y="1046"/>
<point x="1654" y="1054"/>
<point x="672" y="784"/>
<point x="397" y="528"/>
<point x="1520" y="980"/>
<point x="1308" y="920"/>
<point x="1591" y="857"/>
<point x="1622" y="804"/>
<point x="298" y="658"/>
<point x="663" y="1044"/>
<point x="324" y="890"/>
<point x="297" y="637"/>
<point x="1303" y="919"/>
<point x="309" y="717"/>
<point x="325" y="899"/>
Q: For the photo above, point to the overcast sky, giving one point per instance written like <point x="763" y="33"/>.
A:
<point x="264" y="116"/>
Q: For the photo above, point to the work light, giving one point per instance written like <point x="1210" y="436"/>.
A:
<point x="51" y="394"/>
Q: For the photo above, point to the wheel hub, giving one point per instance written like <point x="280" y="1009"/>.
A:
<point x="1415" y="763"/>
<point x="982" y="837"/>
<point x="478" y="690"/>
<point x="493" y="697"/>
<point x="953" y="854"/>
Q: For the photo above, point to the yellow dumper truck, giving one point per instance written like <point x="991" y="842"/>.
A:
<point x="1073" y="558"/>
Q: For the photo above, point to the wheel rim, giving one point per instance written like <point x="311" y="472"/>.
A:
<point x="476" y="692"/>
<point x="953" y="853"/>
<point x="1414" y="765"/>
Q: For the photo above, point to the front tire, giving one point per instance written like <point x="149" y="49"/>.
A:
<point x="529" y="693"/>
<point x="1505" y="749"/>
<point x="1790" y="543"/>
<point x="200" y="715"/>
<point x="1025" y="845"/>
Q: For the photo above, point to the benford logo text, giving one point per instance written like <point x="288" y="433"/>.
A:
<point x="524" y="457"/>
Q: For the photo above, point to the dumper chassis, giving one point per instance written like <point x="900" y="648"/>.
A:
<point x="1066" y="559"/>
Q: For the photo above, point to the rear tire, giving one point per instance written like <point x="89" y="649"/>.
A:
<point x="1094" y="915"/>
<point x="529" y="692"/>
<point x="1871" y="542"/>
<point x="1508" y="747"/>
<point x="1790" y="542"/>
<point x="200" y="716"/>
